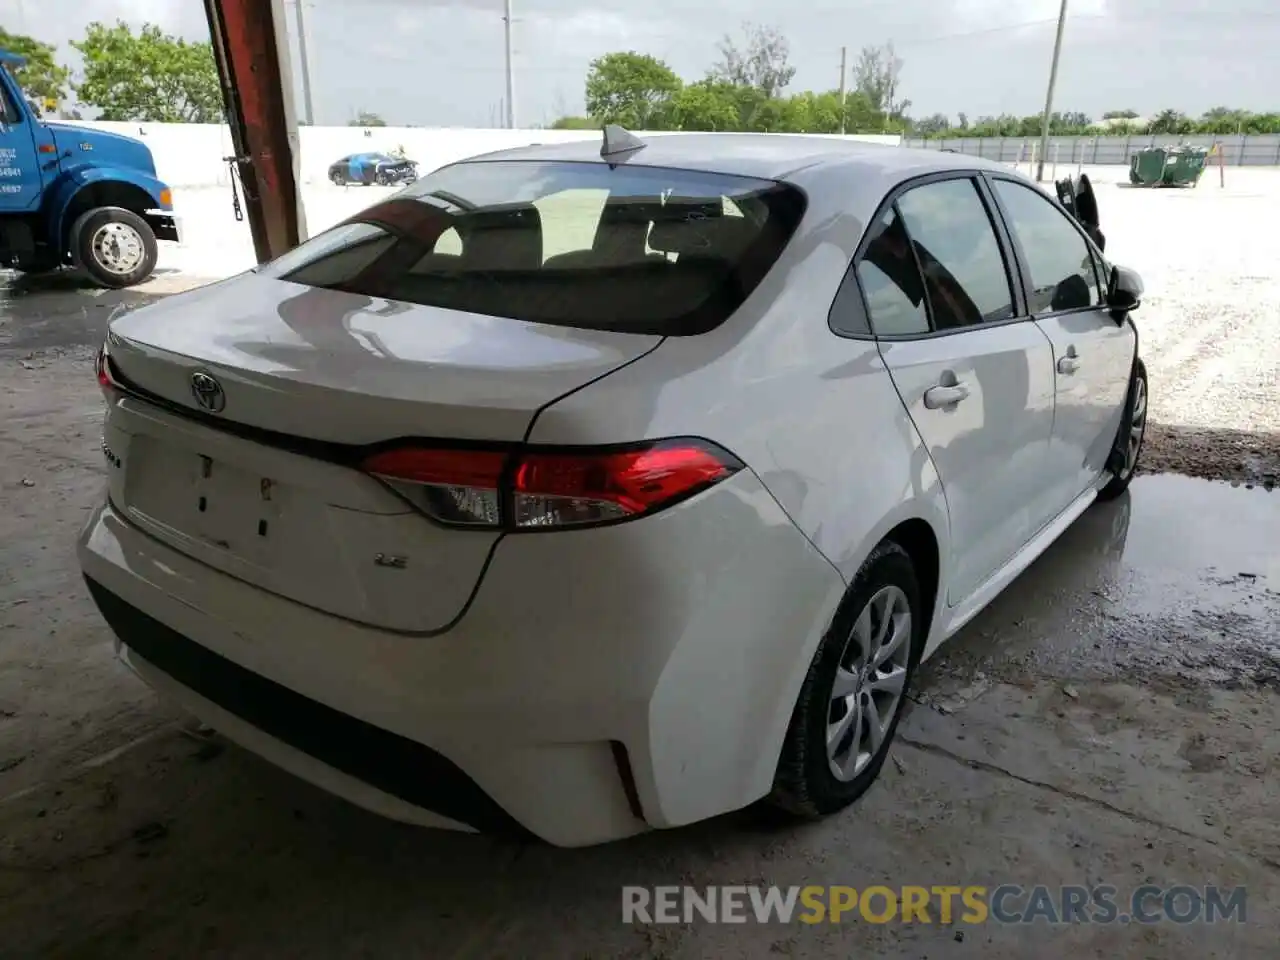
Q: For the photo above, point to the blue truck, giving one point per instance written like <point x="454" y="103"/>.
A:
<point x="73" y="196"/>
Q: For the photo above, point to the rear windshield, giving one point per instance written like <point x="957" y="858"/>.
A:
<point x="629" y="249"/>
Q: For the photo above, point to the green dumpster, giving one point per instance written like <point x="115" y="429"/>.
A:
<point x="1184" y="165"/>
<point x="1146" y="167"/>
<point x="1167" y="166"/>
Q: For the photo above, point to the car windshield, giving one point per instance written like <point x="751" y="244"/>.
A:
<point x="629" y="249"/>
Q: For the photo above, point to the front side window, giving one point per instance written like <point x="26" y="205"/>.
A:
<point x="629" y="249"/>
<point x="1061" y="264"/>
<point x="9" y="112"/>
<point x="955" y="243"/>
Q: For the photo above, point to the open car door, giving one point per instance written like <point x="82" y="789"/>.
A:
<point x="1081" y="203"/>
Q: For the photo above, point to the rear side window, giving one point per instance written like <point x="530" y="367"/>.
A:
<point x="891" y="280"/>
<point x="632" y="249"/>
<point x="1061" y="264"/>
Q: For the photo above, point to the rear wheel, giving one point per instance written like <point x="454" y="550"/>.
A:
<point x="1133" y="430"/>
<point x="852" y="698"/>
<point x="114" y="246"/>
<point x="337" y="178"/>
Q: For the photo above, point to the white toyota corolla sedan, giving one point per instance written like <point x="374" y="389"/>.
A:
<point x="577" y="491"/>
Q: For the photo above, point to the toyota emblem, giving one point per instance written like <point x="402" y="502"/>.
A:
<point x="208" y="392"/>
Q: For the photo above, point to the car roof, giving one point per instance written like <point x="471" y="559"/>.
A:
<point x="772" y="156"/>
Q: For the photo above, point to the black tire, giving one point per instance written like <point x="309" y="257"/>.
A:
<point x="805" y="785"/>
<point x="338" y="178"/>
<point x="93" y="256"/>
<point x="382" y="179"/>
<point x="1123" y="469"/>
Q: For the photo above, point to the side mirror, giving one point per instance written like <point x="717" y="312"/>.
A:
<point x="1124" y="292"/>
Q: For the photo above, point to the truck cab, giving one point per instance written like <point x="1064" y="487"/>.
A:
<point x="76" y="197"/>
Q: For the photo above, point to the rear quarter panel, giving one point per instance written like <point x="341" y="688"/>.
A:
<point x="813" y="414"/>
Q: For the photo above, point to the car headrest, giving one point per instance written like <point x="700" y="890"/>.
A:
<point x="508" y="239"/>
<point x="721" y="237"/>
<point x="630" y="210"/>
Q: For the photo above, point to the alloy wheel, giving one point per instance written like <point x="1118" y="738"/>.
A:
<point x="1137" y="425"/>
<point x="869" y="684"/>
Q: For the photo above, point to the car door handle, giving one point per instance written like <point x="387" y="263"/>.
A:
<point x="1068" y="365"/>
<point x="935" y="398"/>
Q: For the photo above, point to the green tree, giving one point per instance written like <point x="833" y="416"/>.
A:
<point x="810" y="112"/>
<point x="1170" y="121"/>
<point x="629" y="88"/>
<point x="41" y="78"/>
<point x="575" y="123"/>
<point x="364" y="118"/>
<point x="149" y="76"/>
<point x="705" y="105"/>
<point x="938" y="125"/>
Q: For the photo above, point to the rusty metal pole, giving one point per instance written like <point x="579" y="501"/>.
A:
<point x="254" y="91"/>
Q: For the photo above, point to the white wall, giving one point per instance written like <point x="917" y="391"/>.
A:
<point x="191" y="154"/>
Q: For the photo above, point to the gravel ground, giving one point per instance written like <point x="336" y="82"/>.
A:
<point x="1210" y="324"/>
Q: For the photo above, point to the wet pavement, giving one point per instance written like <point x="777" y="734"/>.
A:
<point x="65" y="311"/>
<point x="1176" y="585"/>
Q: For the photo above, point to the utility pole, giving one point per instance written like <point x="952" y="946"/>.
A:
<point x="511" y="77"/>
<point x="844" y="72"/>
<point x="308" y="109"/>
<point x="1048" y="97"/>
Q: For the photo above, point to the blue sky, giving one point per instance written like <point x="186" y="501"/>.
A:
<point x="436" y="62"/>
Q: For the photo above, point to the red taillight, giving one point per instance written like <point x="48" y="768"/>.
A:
<point x="534" y="490"/>
<point x="103" y="365"/>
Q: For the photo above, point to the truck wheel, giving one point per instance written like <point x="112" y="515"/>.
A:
<point x="114" y="246"/>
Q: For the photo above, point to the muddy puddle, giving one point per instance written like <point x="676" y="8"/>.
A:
<point x="1175" y="585"/>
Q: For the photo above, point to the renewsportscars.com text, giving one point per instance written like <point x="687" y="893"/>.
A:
<point x="947" y="904"/>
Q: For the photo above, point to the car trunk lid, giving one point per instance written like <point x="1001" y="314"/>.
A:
<point x="263" y="484"/>
<point x="350" y="369"/>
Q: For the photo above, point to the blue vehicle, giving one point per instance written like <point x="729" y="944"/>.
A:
<point x="72" y="196"/>
<point x="370" y="168"/>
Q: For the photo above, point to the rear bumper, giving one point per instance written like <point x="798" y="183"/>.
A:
<point x="391" y="764"/>
<point x="595" y="688"/>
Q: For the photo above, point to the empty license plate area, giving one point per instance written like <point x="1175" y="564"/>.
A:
<point x="188" y="496"/>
